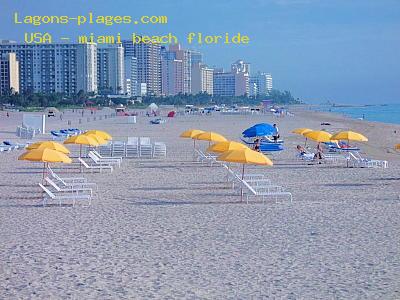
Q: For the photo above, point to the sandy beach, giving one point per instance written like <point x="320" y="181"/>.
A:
<point x="174" y="229"/>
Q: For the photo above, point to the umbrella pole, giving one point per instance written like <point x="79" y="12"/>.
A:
<point x="44" y="167"/>
<point x="305" y="143"/>
<point x="194" y="149"/>
<point x="80" y="156"/>
<point x="241" y="190"/>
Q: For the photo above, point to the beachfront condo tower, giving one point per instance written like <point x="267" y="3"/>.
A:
<point x="110" y="70"/>
<point x="148" y="64"/>
<point x="9" y="74"/>
<point x="50" y="68"/>
<point x="233" y="83"/>
<point x="260" y="84"/>
<point x="202" y="79"/>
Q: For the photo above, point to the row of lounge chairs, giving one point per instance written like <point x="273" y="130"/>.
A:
<point x="350" y="158"/>
<point x="134" y="147"/>
<point x="63" y="134"/>
<point x="8" y="146"/>
<point x="256" y="185"/>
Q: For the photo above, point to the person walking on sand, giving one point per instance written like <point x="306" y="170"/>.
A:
<point x="319" y="154"/>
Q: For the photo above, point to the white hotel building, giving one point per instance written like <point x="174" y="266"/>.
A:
<point x="50" y="68"/>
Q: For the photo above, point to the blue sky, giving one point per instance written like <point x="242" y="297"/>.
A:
<point x="347" y="51"/>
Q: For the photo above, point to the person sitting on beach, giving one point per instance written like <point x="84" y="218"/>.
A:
<point x="303" y="154"/>
<point x="257" y="145"/>
<point x="301" y="150"/>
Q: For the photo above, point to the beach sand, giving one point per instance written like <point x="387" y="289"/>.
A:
<point x="173" y="229"/>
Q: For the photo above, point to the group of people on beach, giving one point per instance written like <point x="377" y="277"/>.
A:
<point x="275" y="137"/>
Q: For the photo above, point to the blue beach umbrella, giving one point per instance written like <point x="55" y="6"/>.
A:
<point x="259" y="130"/>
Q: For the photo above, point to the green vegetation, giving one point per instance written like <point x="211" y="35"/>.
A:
<point x="276" y="96"/>
<point x="32" y="101"/>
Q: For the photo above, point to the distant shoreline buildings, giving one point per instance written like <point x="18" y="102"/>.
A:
<point x="128" y="68"/>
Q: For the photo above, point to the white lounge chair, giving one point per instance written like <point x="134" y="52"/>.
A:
<point x="68" y="180"/>
<point x="106" y="157"/>
<point x="95" y="167"/>
<point x="118" y="149"/>
<point x="159" y="150"/>
<point x="356" y="160"/>
<point x="132" y="147"/>
<point x="265" y="191"/>
<point x="72" y="182"/>
<point x="105" y="150"/>
<point x="60" y="197"/>
<point x="145" y="147"/>
<point x="104" y="161"/>
<point x="69" y="189"/>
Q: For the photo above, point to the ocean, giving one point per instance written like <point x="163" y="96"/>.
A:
<point x="389" y="113"/>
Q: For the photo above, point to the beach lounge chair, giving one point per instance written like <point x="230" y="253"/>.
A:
<point x="4" y="148"/>
<point x="118" y="149"/>
<point x="104" y="161"/>
<point x="95" y="167"/>
<point x="145" y="147"/>
<point x="15" y="145"/>
<point x="57" y="135"/>
<point x="106" y="157"/>
<point x="105" y="150"/>
<point x="72" y="182"/>
<point x="357" y="161"/>
<point x="69" y="189"/>
<point x="159" y="150"/>
<point x="132" y="147"/>
<point x="71" y="179"/>
<point x="49" y="195"/>
<point x="263" y="191"/>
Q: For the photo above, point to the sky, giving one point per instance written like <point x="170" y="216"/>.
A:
<point x="344" y="51"/>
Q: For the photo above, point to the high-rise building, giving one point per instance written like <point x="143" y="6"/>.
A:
<point x="172" y="73"/>
<point x="185" y="56"/>
<point x="196" y="57"/>
<point x="234" y="83"/>
<point x="50" y="68"/>
<point x="9" y="74"/>
<point x="110" y="69"/>
<point x="148" y="65"/>
<point x="131" y="76"/>
<point x="202" y="79"/>
<point x="263" y="83"/>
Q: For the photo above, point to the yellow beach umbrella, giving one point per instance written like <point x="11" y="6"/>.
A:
<point x="397" y="147"/>
<point x="245" y="156"/>
<point x="319" y="136"/>
<point x="98" y="139"/>
<point x="349" y="136"/>
<point x="188" y="134"/>
<point x="210" y="136"/>
<point x="226" y="146"/>
<point x="81" y="140"/>
<point x="104" y="135"/>
<point x="46" y="156"/>
<point x="49" y="145"/>
<point x="302" y="131"/>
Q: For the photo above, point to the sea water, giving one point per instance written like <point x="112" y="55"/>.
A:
<point x="389" y="113"/>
